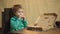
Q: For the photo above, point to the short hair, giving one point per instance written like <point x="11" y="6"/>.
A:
<point x="16" y="7"/>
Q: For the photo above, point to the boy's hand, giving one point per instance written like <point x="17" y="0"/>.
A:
<point x="22" y="16"/>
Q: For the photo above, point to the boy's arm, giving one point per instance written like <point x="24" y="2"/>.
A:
<point x="25" y="23"/>
<point x="13" y="23"/>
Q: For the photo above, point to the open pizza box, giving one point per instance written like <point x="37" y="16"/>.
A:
<point x="44" y="22"/>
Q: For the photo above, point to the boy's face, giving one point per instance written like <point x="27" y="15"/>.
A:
<point x="19" y="12"/>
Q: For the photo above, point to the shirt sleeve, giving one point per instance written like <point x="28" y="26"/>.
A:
<point x="13" y="23"/>
<point x="25" y="23"/>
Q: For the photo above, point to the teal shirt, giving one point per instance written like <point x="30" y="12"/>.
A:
<point x="17" y="24"/>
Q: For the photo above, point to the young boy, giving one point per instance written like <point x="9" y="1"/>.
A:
<point x="17" y="22"/>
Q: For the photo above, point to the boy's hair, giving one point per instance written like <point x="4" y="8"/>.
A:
<point x="16" y="8"/>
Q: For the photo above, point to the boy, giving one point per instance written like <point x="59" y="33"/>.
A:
<point x="17" y="22"/>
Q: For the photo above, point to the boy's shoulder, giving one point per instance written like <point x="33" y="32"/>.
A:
<point x="13" y="18"/>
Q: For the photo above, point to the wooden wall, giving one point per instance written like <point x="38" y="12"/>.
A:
<point x="35" y="8"/>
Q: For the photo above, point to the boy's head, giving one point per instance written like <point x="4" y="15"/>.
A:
<point x="17" y="10"/>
